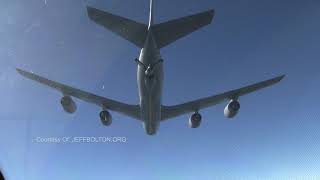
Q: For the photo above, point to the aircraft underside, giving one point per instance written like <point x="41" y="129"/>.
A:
<point x="150" y="38"/>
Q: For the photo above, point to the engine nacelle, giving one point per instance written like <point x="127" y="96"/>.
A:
<point x="195" y="120"/>
<point x="68" y="104"/>
<point x="105" y="118"/>
<point x="232" y="109"/>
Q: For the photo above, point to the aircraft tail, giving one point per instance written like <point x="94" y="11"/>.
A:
<point x="136" y="33"/>
<point x="168" y="32"/>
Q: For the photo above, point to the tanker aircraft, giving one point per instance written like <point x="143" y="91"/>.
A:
<point x="150" y="38"/>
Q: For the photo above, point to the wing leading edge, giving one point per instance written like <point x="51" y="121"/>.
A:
<point x="193" y="106"/>
<point x="129" y="110"/>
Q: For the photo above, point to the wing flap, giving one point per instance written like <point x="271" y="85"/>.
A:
<point x="129" y="110"/>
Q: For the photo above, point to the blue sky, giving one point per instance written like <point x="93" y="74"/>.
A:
<point x="275" y="135"/>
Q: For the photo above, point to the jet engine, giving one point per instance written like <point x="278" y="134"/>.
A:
<point x="232" y="109"/>
<point x="105" y="118"/>
<point x="68" y="104"/>
<point x="195" y="120"/>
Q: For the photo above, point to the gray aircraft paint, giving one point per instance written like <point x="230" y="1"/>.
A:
<point x="150" y="69"/>
<point x="150" y="88"/>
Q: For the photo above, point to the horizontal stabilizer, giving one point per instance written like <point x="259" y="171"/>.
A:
<point x="128" y="29"/>
<point x="168" y="32"/>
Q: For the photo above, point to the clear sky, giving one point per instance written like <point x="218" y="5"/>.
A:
<point x="275" y="135"/>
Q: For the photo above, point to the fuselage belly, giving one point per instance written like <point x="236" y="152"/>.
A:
<point x="150" y="78"/>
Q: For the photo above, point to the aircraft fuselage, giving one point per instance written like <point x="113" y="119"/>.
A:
<point x="150" y="79"/>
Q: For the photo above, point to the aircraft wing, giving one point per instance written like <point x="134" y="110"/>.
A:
<point x="193" y="106"/>
<point x="129" y="110"/>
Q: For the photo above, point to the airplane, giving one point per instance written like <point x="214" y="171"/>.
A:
<point x="150" y="38"/>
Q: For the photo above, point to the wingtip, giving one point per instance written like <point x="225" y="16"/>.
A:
<point x="89" y="9"/>
<point x="281" y="77"/>
<point x="212" y="11"/>
<point x="277" y="78"/>
<point x="212" y="14"/>
<point x="20" y="71"/>
<point x="92" y="12"/>
<point x="23" y="72"/>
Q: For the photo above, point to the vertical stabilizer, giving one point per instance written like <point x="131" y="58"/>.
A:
<point x="151" y="13"/>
